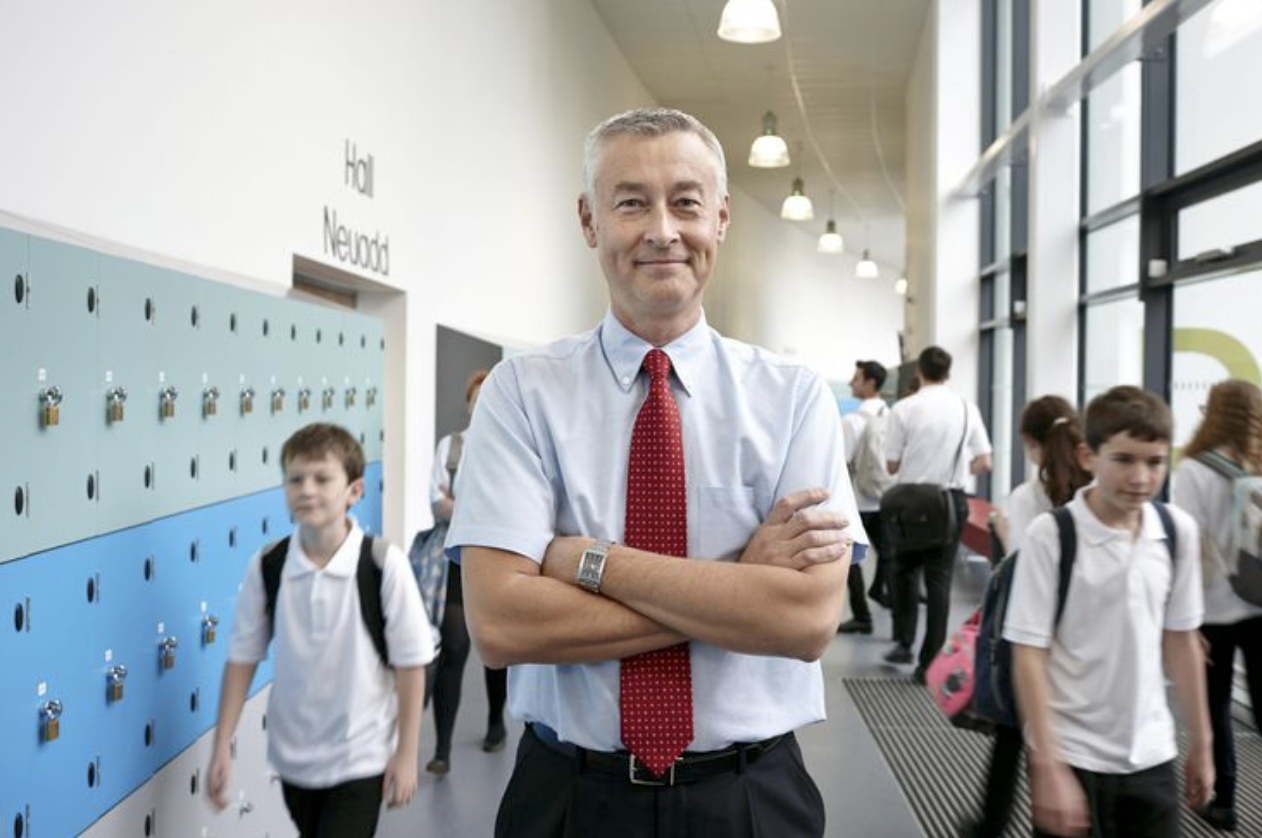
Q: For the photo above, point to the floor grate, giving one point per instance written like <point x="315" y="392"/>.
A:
<point x="941" y="769"/>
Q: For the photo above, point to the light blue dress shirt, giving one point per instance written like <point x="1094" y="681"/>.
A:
<point x="546" y="454"/>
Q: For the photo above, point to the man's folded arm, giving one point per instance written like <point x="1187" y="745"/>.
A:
<point x="517" y="615"/>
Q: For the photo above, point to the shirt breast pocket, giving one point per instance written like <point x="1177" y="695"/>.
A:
<point x="728" y="516"/>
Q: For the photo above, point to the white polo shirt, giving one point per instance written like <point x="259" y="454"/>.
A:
<point x="853" y="425"/>
<point x="1106" y="686"/>
<point x="923" y="436"/>
<point x="1027" y="502"/>
<point x="1206" y="495"/>
<point x="332" y="715"/>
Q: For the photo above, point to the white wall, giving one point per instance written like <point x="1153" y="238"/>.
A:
<point x="212" y="137"/>
<point x="773" y="289"/>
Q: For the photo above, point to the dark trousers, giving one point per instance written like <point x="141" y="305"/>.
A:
<point x="1140" y="805"/>
<point x="875" y="528"/>
<point x="1223" y="642"/>
<point x="938" y="565"/>
<point x="551" y="796"/>
<point x="1001" y="782"/>
<point x="854" y="582"/>
<point x="347" y="810"/>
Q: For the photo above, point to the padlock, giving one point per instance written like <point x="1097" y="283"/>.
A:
<point x="370" y="397"/>
<point x="50" y="720"/>
<point x="278" y="400"/>
<point x="114" y="400"/>
<point x="304" y="399"/>
<point x="114" y="683"/>
<point x="166" y="402"/>
<point x="210" y="402"/>
<point x="209" y="624"/>
<point x="247" y="400"/>
<point x="50" y="406"/>
<point x="350" y="397"/>
<point x="326" y="401"/>
<point x="167" y="652"/>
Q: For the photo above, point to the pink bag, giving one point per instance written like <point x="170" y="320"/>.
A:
<point x="950" y="676"/>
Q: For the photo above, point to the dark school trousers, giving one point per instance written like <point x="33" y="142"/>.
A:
<point x="347" y="810"/>
<point x="938" y="565"/>
<point x="551" y="796"/>
<point x="1224" y="639"/>
<point x="1140" y="805"/>
<point x="854" y="582"/>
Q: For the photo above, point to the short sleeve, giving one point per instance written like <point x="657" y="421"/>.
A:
<point x="852" y="425"/>
<point x="978" y="439"/>
<point x="1185" y="608"/>
<point x="439" y="479"/>
<point x="816" y="457"/>
<point x="506" y="500"/>
<point x="251" y="629"/>
<point x="895" y="434"/>
<point x="1031" y="616"/>
<point x="408" y="636"/>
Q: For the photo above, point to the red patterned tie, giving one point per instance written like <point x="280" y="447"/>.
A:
<point x="656" y="689"/>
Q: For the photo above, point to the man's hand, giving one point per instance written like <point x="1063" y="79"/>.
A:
<point x="1057" y="799"/>
<point x="795" y="536"/>
<point x="1199" y="775"/>
<point x="399" y="784"/>
<point x="217" y="777"/>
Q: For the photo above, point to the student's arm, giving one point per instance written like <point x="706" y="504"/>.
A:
<point x="980" y="464"/>
<point x="894" y="435"/>
<point x="399" y="783"/>
<point x="978" y="443"/>
<point x="1185" y="665"/>
<point x="236" y="683"/>
<point x="783" y="597"/>
<point x="1059" y="804"/>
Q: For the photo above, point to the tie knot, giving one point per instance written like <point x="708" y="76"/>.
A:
<point x="657" y="364"/>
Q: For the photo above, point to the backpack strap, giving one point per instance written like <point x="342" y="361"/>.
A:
<point x="272" y="563"/>
<point x="1172" y="532"/>
<point x="368" y="575"/>
<point x="1068" y="553"/>
<point x="1221" y="464"/>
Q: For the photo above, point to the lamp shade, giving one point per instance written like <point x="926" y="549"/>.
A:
<point x="769" y="150"/>
<point x="866" y="269"/>
<point x="830" y="241"/>
<point x="797" y="207"/>
<point x="749" y="22"/>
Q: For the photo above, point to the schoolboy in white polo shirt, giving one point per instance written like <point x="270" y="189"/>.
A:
<point x="1100" y="736"/>
<point x="343" y="727"/>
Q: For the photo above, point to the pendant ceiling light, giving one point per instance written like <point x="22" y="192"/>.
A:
<point x="797" y="207"/>
<point x="830" y="241"/>
<point x="749" y="22"/>
<point x="769" y="151"/>
<point x="866" y="269"/>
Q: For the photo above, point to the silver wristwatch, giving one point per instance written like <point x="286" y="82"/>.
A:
<point x="591" y="566"/>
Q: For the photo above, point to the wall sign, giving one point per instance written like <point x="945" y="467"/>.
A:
<point x="345" y="242"/>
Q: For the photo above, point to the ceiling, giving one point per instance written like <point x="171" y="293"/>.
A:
<point x="852" y="60"/>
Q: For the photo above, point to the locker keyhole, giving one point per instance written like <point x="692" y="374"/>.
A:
<point x="192" y="468"/>
<point x="91" y="301"/>
<point x="232" y="322"/>
<point x="148" y="734"/>
<point x="19" y="826"/>
<point x="149" y="309"/>
<point x="232" y="461"/>
<point x="341" y="339"/>
<point x="91" y="487"/>
<point x="19" y="618"/>
<point x="148" y="568"/>
<point x="192" y="785"/>
<point x="91" y="589"/>
<point x="148" y="476"/>
<point x="19" y="501"/>
<point x="192" y="552"/>
<point x="319" y="335"/>
<point x="293" y="332"/>
<point x="148" y="825"/>
<point x="91" y="775"/>
<point x="363" y="342"/>
<point x="192" y="701"/>
<point x="194" y="317"/>
<point x="19" y="288"/>
<point x="264" y="455"/>
<point x="266" y="329"/>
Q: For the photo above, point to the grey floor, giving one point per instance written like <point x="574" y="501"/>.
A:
<point x="862" y="797"/>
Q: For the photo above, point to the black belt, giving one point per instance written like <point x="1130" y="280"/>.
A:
<point x="688" y="768"/>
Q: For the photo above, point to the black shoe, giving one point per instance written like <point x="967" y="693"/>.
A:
<point x="438" y="766"/>
<point x="855" y="627"/>
<point x="1219" y="817"/>
<point x="899" y="654"/>
<point x="919" y="676"/>
<point x="495" y="738"/>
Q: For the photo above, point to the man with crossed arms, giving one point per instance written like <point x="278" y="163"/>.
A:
<point x="660" y="693"/>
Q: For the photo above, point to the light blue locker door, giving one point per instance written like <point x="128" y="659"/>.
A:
<point x="216" y="352"/>
<point x="57" y="345"/>
<point x="367" y="358"/>
<point x="16" y="409"/>
<point x="179" y="371"/>
<point x="263" y="338"/>
<point x="129" y="360"/>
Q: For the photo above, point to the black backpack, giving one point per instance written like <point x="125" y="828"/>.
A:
<point x="993" y="696"/>
<point x="368" y="575"/>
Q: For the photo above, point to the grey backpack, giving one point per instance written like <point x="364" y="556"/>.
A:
<point x="1244" y="552"/>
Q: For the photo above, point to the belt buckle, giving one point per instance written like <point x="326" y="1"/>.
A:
<point x="668" y="780"/>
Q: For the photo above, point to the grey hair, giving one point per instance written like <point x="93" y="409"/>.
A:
<point x="649" y="122"/>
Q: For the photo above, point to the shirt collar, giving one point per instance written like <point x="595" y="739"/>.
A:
<point x="1094" y="532"/>
<point x="624" y="352"/>
<point x="344" y="563"/>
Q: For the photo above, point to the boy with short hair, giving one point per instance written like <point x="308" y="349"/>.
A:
<point x="1090" y="688"/>
<point x="344" y="715"/>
